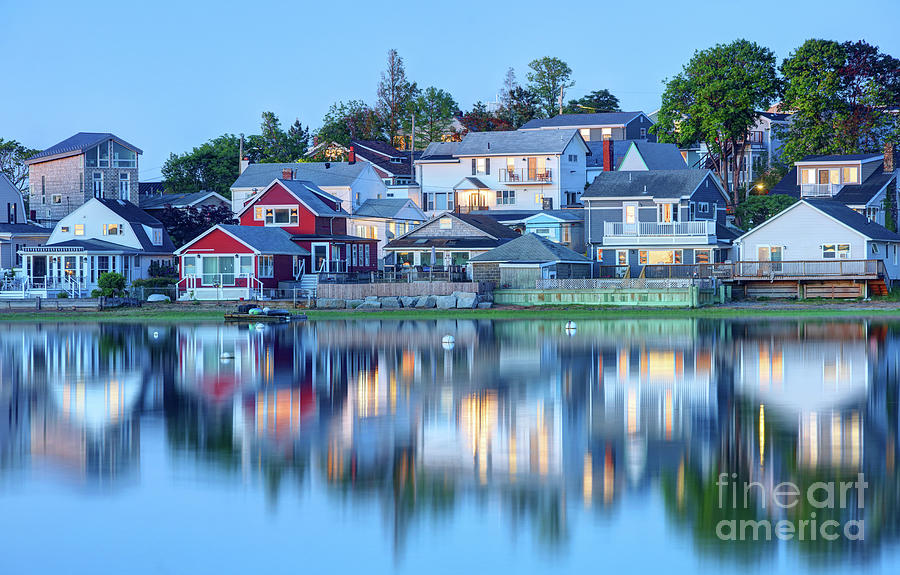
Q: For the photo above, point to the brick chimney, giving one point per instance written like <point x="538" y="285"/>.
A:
<point x="608" y="163"/>
<point x="287" y="174"/>
<point x="352" y="156"/>
<point x="889" y="158"/>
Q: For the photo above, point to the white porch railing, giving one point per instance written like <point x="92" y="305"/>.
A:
<point x="693" y="228"/>
<point x="819" y="190"/>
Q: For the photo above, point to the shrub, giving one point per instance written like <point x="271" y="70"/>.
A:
<point x="62" y="295"/>
<point x="154" y="282"/>
<point x="161" y="270"/>
<point x="110" y="284"/>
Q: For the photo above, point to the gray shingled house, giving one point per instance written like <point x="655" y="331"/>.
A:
<point x="526" y="259"/>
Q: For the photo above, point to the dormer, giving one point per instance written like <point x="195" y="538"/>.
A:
<point x="825" y="176"/>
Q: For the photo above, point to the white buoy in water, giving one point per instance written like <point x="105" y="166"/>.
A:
<point x="155" y="334"/>
<point x="226" y="355"/>
<point x="260" y="326"/>
<point x="571" y="328"/>
<point x="448" y="342"/>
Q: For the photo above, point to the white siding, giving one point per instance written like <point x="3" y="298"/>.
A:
<point x="93" y="215"/>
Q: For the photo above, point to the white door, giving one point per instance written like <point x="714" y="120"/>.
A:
<point x="630" y="217"/>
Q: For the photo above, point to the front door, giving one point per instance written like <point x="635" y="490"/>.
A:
<point x="38" y="269"/>
<point x="320" y="258"/>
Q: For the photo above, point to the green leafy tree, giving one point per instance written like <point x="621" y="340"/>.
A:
<point x="12" y="162"/>
<point x="434" y="111"/>
<point x="548" y="80"/>
<point x="715" y="100"/>
<point x="395" y="96"/>
<point x="519" y="106"/>
<point x="212" y="166"/>
<point x="479" y="119"/>
<point x="184" y="224"/>
<point x="109" y="284"/>
<point x="754" y="210"/>
<point x="841" y="96"/>
<point x="596" y="101"/>
<point x="350" y="120"/>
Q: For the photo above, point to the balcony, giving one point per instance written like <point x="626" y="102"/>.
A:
<point x="526" y="176"/>
<point x="655" y="233"/>
<point x="819" y="190"/>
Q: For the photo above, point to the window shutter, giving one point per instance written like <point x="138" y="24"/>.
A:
<point x="487" y="166"/>
<point x="474" y="166"/>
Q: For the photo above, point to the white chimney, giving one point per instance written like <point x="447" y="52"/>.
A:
<point x="245" y="161"/>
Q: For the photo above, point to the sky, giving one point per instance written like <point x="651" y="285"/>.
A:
<point x="169" y="75"/>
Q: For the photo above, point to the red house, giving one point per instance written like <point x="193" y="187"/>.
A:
<point x="315" y="221"/>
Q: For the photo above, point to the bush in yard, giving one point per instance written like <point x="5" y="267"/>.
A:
<point x="154" y="282"/>
<point x="161" y="270"/>
<point x="110" y="284"/>
<point x="62" y="295"/>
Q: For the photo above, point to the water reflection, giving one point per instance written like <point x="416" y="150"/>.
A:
<point x="517" y="417"/>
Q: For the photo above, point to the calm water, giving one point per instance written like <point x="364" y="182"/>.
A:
<point x="370" y="446"/>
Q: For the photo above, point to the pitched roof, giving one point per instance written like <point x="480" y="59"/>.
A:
<point x="79" y="143"/>
<point x="6" y="184"/>
<point x="531" y="248"/>
<point x="175" y="200"/>
<point x="775" y="116"/>
<point x="488" y="225"/>
<point x="382" y="208"/>
<point x="595" y="160"/>
<point x="138" y="218"/>
<point x="312" y="196"/>
<point x="24" y="229"/>
<point x="658" y="156"/>
<point x="94" y="245"/>
<point x="327" y="174"/>
<point x="850" y="194"/>
<point x="383" y="155"/>
<point x="470" y="183"/>
<point x="265" y="240"/>
<point x="853" y="219"/>
<point x="840" y="157"/>
<point x="569" y="214"/>
<point x="440" y="151"/>
<point x="598" y="119"/>
<point x="516" y="142"/>
<point x="145" y="188"/>
<point x="650" y="184"/>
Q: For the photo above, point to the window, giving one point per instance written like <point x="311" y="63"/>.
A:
<point x="246" y="265"/>
<point x="643" y="133"/>
<point x="404" y="258"/>
<point x="97" y="184"/>
<point x="542" y="231"/>
<point x="666" y="213"/>
<point x="585" y="134"/>
<point x="459" y="258"/>
<point x="606" y="133"/>
<point x="874" y="248"/>
<point x="56" y="198"/>
<point x="840" y="251"/>
<point x="79" y="229"/>
<point x="446" y="223"/>
<point x="622" y="257"/>
<point x="506" y="197"/>
<point x="266" y="266"/>
<point x="370" y="232"/>
<point x="102" y="265"/>
<point x="64" y="229"/>
<point x="43" y="189"/>
<point x="189" y="266"/>
<point x="112" y="229"/>
<point x="98" y="156"/>
<point x="481" y="166"/>
<point x="354" y="254"/>
<point x="850" y="175"/>
<point x="701" y="257"/>
<point x="565" y="233"/>
<point x="156" y="236"/>
<point x="366" y="260"/>
<point x="123" y="157"/>
<point x="281" y="216"/>
<point x="642" y="257"/>
<point x="630" y="214"/>
<point x="124" y="186"/>
<point x="539" y="198"/>
<point x="573" y="157"/>
<point x="258" y="213"/>
<point x="703" y="206"/>
<point x="677" y="256"/>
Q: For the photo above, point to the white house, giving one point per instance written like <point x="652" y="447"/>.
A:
<point x="384" y="220"/>
<point x="352" y="182"/>
<point x="103" y="235"/>
<point x="813" y="232"/>
<point x="512" y="170"/>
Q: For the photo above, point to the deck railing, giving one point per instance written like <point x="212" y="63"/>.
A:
<point x="819" y="190"/>
<point x="526" y="176"/>
<point x="756" y="270"/>
<point x="692" y="228"/>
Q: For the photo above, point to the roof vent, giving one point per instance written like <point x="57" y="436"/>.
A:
<point x="629" y="177"/>
<point x="645" y="188"/>
<point x="489" y="145"/>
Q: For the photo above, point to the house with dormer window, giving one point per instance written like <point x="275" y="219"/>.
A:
<point x="859" y="181"/>
<point x="660" y="217"/>
<point x="103" y="235"/>
<point x="511" y="170"/>
<point x="87" y="165"/>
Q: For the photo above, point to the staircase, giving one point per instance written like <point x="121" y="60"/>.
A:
<point x="309" y="284"/>
<point x="878" y="288"/>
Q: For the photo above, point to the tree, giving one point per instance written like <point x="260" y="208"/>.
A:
<point x="548" y="79"/>
<point x="715" y="100"/>
<point x="520" y="107"/>
<point x="756" y="209"/>
<point x="434" y="111"/>
<point x="109" y="284"/>
<point x="841" y="96"/>
<point x="395" y="93"/>
<point x="212" y="166"/>
<point x="184" y="224"/>
<point x="479" y="119"/>
<point x="509" y="85"/>
<point x="274" y="145"/>
<point x="297" y="140"/>
<point x="12" y="162"/>
<point x="349" y="120"/>
<point x="596" y="101"/>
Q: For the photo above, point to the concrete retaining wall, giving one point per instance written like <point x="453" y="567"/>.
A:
<point x="361" y="291"/>
<point x="670" y="297"/>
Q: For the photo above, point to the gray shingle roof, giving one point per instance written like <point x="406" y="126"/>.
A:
<point x="598" y="119"/>
<point x="652" y="184"/>
<point x="336" y="174"/>
<point x="265" y="240"/>
<point x="24" y="229"/>
<point x="530" y="248"/>
<point x="175" y="200"/>
<point x="440" y="151"/>
<point x="137" y="219"/>
<point x="94" y="245"/>
<point x="516" y="142"/>
<point x="595" y="160"/>
<point x="311" y="195"/>
<point x="470" y="183"/>
<point x="569" y="215"/>
<point x="381" y="208"/>
<point x="853" y="195"/>
<point x="839" y="157"/>
<point x="853" y="219"/>
<point x="79" y="143"/>
<point x="659" y="156"/>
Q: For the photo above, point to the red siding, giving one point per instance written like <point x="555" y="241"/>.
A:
<point x="278" y="195"/>
<point x="219" y="242"/>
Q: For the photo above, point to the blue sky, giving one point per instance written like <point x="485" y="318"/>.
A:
<point x="167" y="76"/>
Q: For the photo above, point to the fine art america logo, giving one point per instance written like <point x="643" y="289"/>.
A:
<point x="833" y="498"/>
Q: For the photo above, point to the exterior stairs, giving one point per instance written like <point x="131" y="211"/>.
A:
<point x="309" y="283"/>
<point x="878" y="288"/>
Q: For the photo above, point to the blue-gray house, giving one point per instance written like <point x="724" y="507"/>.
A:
<point x="638" y="218"/>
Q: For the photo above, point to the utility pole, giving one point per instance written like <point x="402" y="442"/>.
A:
<point x="561" y="88"/>
<point x="412" y="148"/>
<point x="241" y="151"/>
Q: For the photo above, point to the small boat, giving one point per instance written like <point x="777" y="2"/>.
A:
<point x="265" y="315"/>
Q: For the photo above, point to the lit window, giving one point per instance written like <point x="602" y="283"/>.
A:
<point x="157" y="236"/>
<point x="79" y="229"/>
<point x="258" y="213"/>
<point x="840" y="251"/>
<point x="701" y="257"/>
<point x="111" y="229"/>
<point x="621" y="257"/>
<point x="57" y="198"/>
<point x="189" y="263"/>
<point x="281" y="216"/>
<point x="446" y="223"/>
<point x="642" y="257"/>
<point x="64" y="229"/>
<point x="850" y="175"/>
